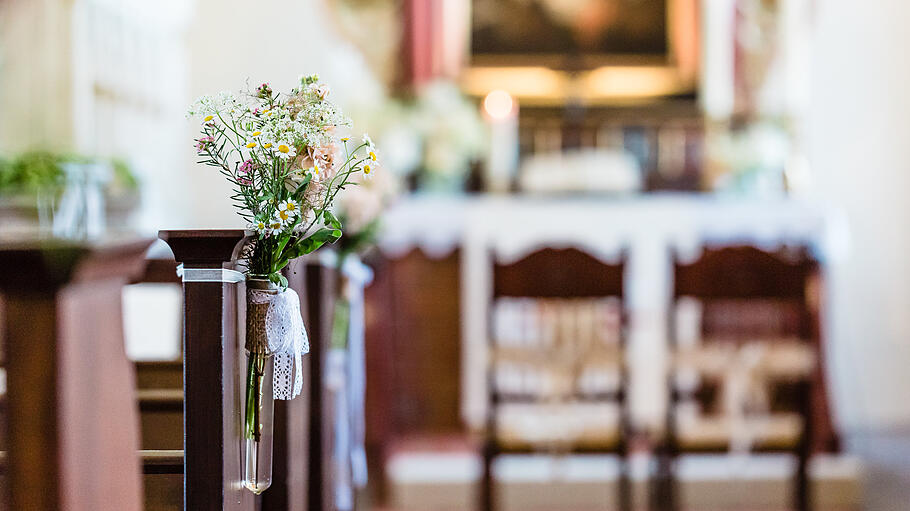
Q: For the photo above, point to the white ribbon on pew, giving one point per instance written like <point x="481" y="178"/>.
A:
<point x="359" y="276"/>
<point x="209" y="274"/>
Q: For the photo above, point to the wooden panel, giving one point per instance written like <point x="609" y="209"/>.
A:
<point x="159" y="375"/>
<point x="413" y="343"/>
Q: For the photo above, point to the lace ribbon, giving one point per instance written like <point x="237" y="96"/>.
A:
<point x="287" y="339"/>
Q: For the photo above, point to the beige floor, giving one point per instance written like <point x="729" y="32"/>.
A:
<point x="447" y="482"/>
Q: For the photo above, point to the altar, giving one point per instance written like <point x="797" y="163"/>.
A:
<point x="647" y="230"/>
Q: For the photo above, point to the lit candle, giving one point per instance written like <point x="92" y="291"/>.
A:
<point x="501" y="113"/>
<point x="717" y="79"/>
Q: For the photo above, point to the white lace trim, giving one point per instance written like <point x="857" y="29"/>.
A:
<point x="287" y="339"/>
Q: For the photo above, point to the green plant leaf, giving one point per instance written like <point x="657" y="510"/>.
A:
<point x="331" y="220"/>
<point x="302" y="186"/>
<point x="314" y="241"/>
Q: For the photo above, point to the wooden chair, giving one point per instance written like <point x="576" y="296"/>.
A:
<point x="759" y="320"/>
<point x="557" y="280"/>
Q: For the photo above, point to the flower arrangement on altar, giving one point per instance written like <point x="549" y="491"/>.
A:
<point x="288" y="156"/>
<point x="360" y="210"/>
<point x="431" y="138"/>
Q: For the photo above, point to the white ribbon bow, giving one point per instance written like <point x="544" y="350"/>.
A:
<point x="287" y="340"/>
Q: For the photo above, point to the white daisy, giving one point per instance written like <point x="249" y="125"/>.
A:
<point x="369" y="167"/>
<point x="284" y="217"/>
<point x="290" y="206"/>
<point x="275" y="226"/>
<point x="259" y="226"/>
<point x="368" y="141"/>
<point x="285" y="149"/>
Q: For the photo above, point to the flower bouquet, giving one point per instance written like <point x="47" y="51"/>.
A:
<point x="287" y="158"/>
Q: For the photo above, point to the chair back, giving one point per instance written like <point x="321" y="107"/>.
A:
<point x="557" y="324"/>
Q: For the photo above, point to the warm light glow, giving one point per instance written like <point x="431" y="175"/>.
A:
<point x="498" y="104"/>
<point x="542" y="86"/>
<point x="630" y="81"/>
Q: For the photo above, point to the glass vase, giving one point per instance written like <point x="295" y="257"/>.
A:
<point x="259" y="397"/>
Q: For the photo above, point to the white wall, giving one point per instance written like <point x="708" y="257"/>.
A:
<point x="858" y="137"/>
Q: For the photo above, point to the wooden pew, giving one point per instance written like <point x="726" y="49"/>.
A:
<point x="160" y="401"/>
<point x="72" y="427"/>
<point x="300" y="462"/>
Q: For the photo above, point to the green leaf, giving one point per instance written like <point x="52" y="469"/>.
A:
<point x="282" y="243"/>
<point x="331" y="220"/>
<point x="302" y="185"/>
<point x="279" y="280"/>
<point x="314" y="241"/>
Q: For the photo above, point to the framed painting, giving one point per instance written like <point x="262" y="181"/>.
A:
<point x="596" y="51"/>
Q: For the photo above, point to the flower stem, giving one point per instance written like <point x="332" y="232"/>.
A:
<point x="255" y="373"/>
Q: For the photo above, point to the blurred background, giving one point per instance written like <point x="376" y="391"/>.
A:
<point x="654" y="240"/>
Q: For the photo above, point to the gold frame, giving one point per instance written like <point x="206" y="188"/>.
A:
<point x="534" y="80"/>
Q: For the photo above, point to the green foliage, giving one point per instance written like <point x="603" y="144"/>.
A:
<point x="33" y="171"/>
<point x="359" y="241"/>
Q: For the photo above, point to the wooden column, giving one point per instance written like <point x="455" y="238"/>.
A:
<point x="320" y="291"/>
<point x="212" y="375"/>
<point x="73" y="428"/>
